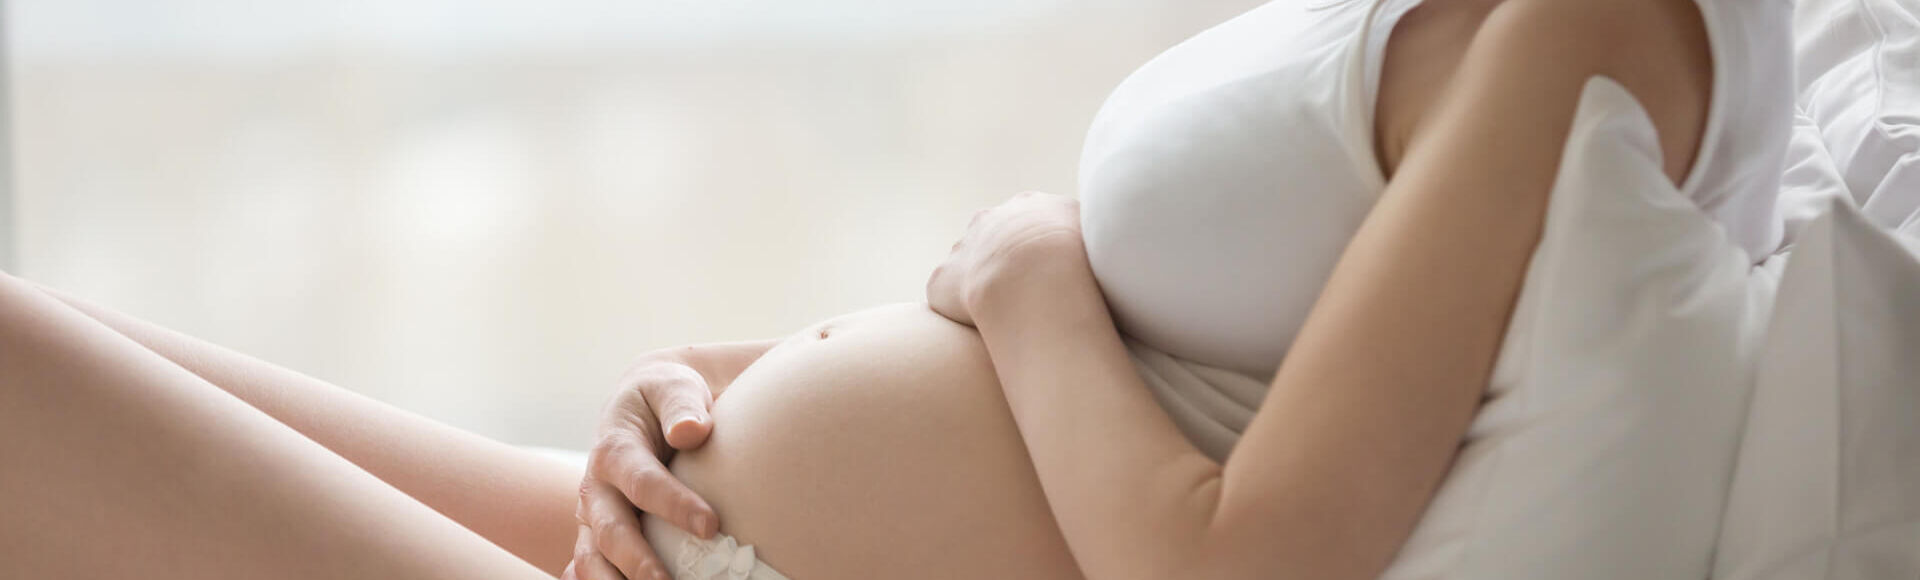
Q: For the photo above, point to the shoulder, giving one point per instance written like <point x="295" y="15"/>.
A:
<point x="1587" y="22"/>
<point x="1601" y="36"/>
<point x="1613" y="37"/>
<point x="1658" y="49"/>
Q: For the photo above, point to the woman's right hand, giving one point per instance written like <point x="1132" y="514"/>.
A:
<point x="661" y="406"/>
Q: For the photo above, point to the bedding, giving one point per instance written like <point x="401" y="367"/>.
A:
<point x="1858" y="79"/>
<point x="1827" y="485"/>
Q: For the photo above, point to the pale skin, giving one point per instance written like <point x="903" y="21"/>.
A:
<point x="156" y="455"/>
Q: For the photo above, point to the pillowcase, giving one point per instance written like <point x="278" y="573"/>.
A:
<point x="1828" y="481"/>
<point x="1606" y="444"/>
<point x="1858" y="67"/>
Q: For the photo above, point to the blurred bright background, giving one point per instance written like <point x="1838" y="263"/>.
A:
<point x="482" y="210"/>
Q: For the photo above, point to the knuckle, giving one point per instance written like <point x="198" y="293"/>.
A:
<point x="609" y="449"/>
<point x="636" y="565"/>
<point x="647" y="481"/>
<point x="638" y="385"/>
<point x="607" y="527"/>
<point x="666" y="377"/>
<point x="626" y="395"/>
<point x="679" y="402"/>
<point x="602" y="450"/>
<point x="624" y="552"/>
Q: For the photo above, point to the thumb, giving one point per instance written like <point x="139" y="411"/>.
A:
<point x="683" y="408"/>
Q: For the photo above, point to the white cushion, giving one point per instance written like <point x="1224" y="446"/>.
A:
<point x="1828" y="481"/>
<point x="1606" y="445"/>
<point x="1858" y="74"/>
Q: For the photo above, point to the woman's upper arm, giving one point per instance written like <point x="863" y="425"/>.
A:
<point x="1367" y="411"/>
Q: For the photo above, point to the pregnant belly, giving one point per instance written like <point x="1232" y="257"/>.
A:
<point x="877" y="445"/>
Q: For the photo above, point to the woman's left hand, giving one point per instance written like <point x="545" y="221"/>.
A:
<point x="1032" y="240"/>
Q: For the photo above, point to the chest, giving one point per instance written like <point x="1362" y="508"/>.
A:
<point x="1221" y="182"/>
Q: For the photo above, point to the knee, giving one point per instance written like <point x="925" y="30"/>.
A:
<point x="13" y="290"/>
<point x="22" y="305"/>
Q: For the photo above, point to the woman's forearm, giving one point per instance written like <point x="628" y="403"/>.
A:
<point x="1133" y="497"/>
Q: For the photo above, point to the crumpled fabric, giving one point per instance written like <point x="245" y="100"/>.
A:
<point x="721" y="558"/>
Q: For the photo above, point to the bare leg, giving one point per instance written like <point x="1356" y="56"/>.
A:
<point x="516" y="499"/>
<point x="115" y="462"/>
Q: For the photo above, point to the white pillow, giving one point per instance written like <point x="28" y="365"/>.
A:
<point x="1606" y="446"/>
<point x="1858" y="67"/>
<point x="1828" y="481"/>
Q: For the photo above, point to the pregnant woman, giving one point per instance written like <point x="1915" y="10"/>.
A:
<point x="1250" y="351"/>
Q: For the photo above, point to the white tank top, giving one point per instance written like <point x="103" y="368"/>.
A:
<point x="1221" y="181"/>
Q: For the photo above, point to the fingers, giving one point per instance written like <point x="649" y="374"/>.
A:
<point x="614" y="527"/>
<point x="597" y="568"/>
<point x="682" y="402"/>
<point x="624" y="463"/>
<point x="689" y="433"/>
<point x="588" y="564"/>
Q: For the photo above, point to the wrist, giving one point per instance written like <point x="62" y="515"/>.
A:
<point x="1041" y="277"/>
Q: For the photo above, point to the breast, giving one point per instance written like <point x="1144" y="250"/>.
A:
<point x="877" y="445"/>
<point x="1220" y="183"/>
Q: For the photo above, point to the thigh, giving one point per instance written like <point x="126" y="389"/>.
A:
<point x="118" y="462"/>
<point x="517" y="499"/>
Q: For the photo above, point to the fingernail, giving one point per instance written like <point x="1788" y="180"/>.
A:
<point x="684" y="422"/>
<point x="703" y="526"/>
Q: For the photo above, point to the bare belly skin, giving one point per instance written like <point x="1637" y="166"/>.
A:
<point x="877" y="445"/>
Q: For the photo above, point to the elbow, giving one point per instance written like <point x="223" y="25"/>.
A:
<point x="1201" y="527"/>
<point x="1267" y="540"/>
<point x="1168" y="530"/>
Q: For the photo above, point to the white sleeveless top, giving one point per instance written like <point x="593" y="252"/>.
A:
<point x="1221" y="181"/>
